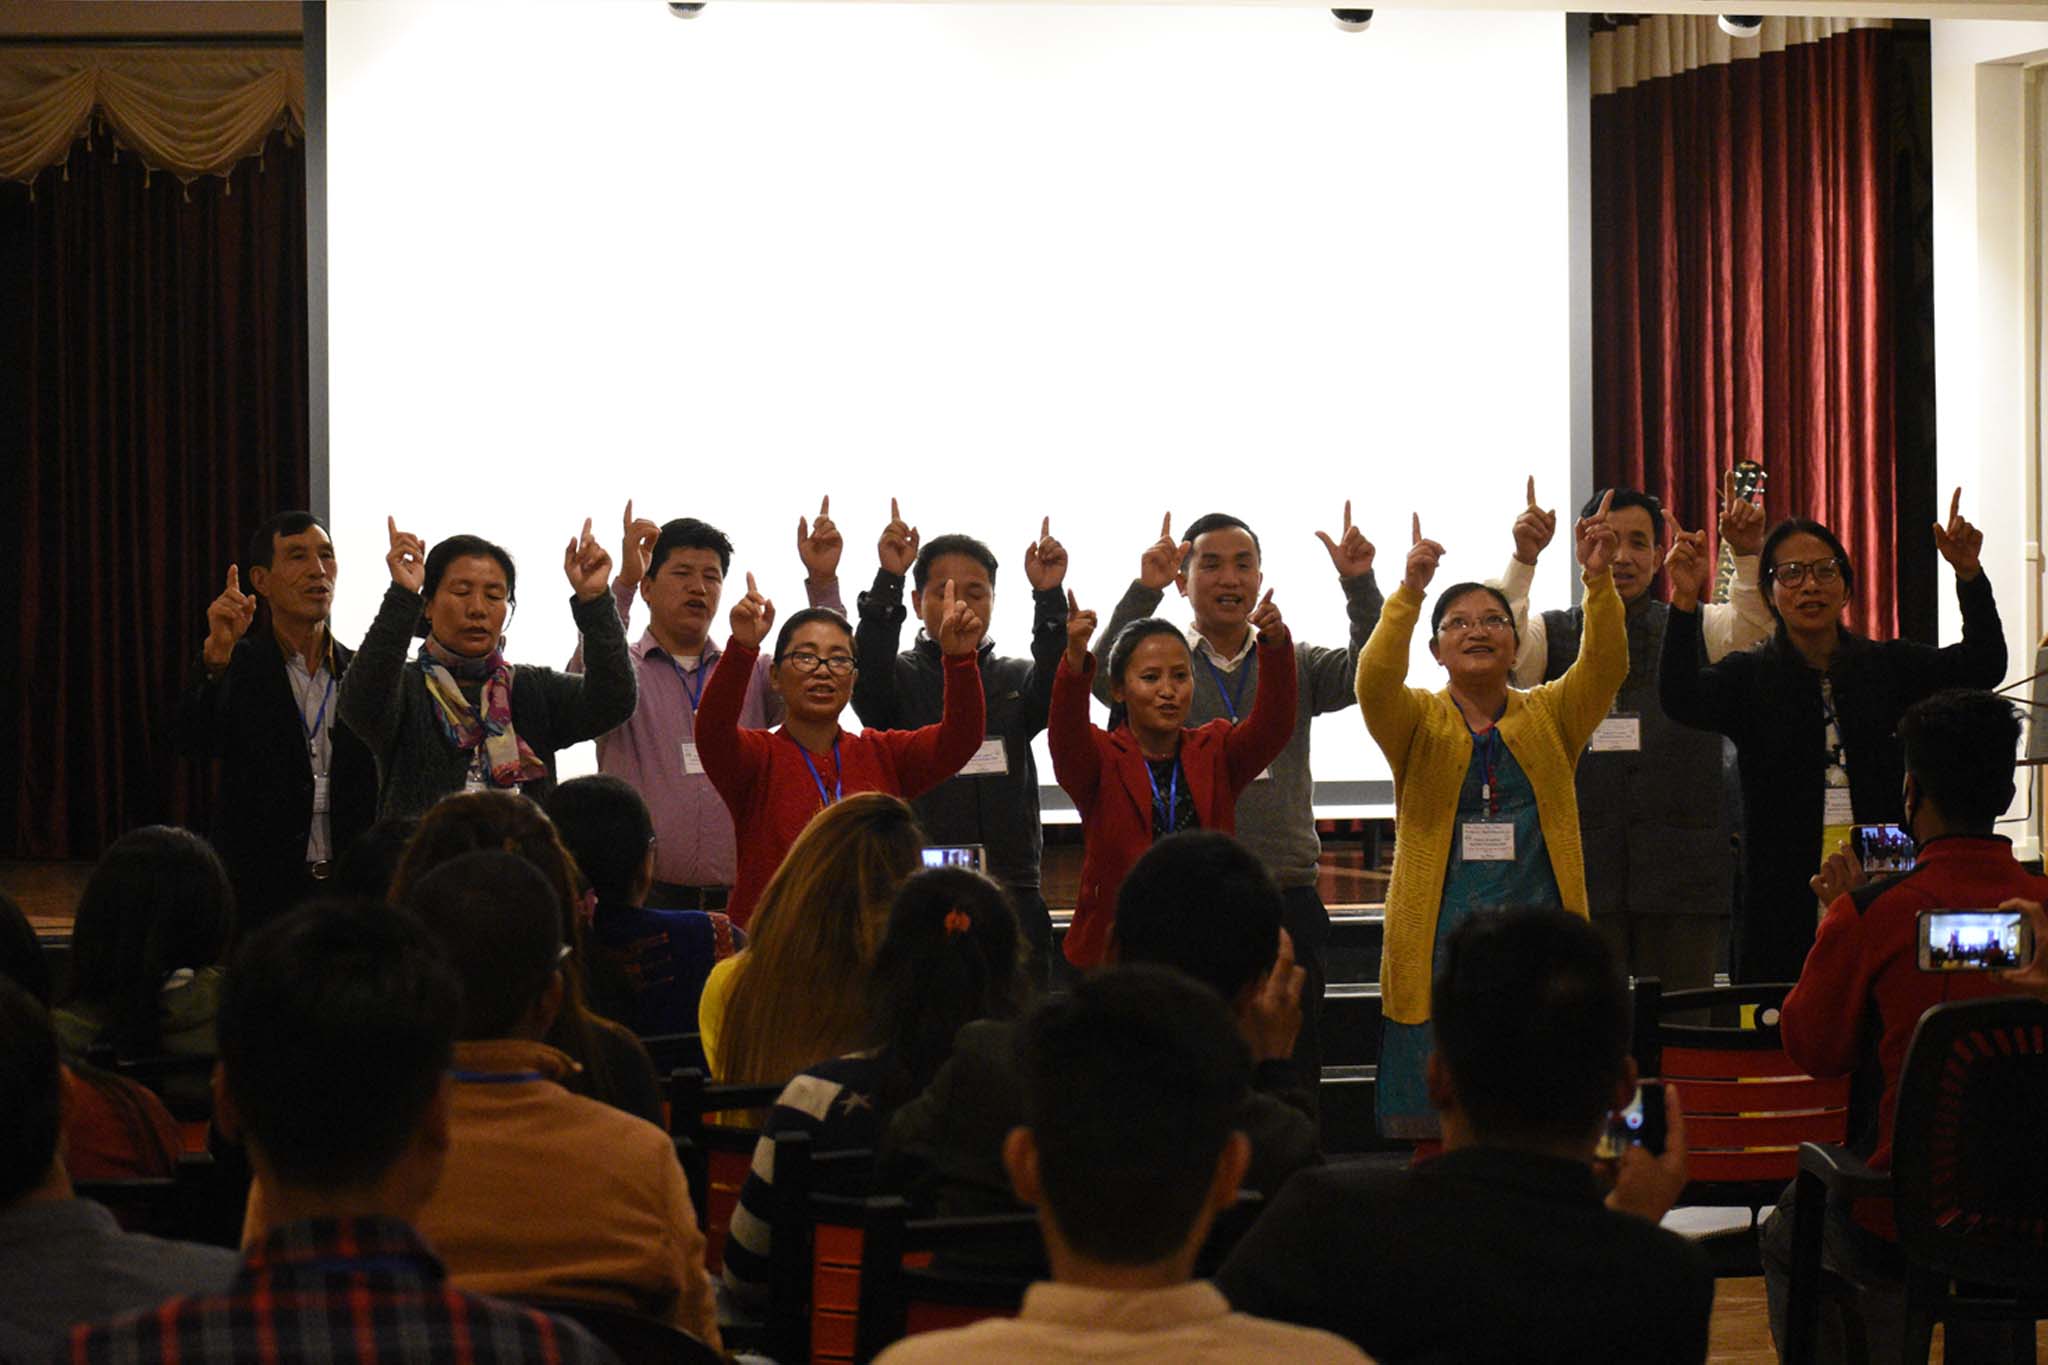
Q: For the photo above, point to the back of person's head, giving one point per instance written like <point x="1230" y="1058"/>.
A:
<point x="31" y="1093"/>
<point x="496" y="920"/>
<point x="605" y="825"/>
<point x="688" y="533"/>
<point x="1960" y="752"/>
<point x="950" y="956"/>
<point x="802" y="995"/>
<point x="1132" y="1085"/>
<point x="1625" y="498"/>
<point x="158" y="900"/>
<point x="21" y="952"/>
<point x="938" y="547"/>
<point x="1531" y="1016"/>
<point x="337" y="1024"/>
<point x="367" y="866"/>
<point x="1201" y="903"/>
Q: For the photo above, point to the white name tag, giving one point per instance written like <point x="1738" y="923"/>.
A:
<point x="1264" y="776"/>
<point x="1618" y="734"/>
<point x="990" y="760"/>
<point x="321" y="795"/>
<point x="1487" y="841"/>
<point x="1835" y="808"/>
<point x="474" y="784"/>
<point x="691" y="763"/>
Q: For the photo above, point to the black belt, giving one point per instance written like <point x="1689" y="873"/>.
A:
<point x="320" y="870"/>
<point x="674" y="896"/>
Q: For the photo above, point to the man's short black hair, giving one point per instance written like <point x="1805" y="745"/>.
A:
<point x="1458" y="590"/>
<point x="921" y="567"/>
<point x="803" y="618"/>
<point x="1960" y="748"/>
<point x="31" y="1093"/>
<point x="1201" y="903"/>
<point x="1219" y="521"/>
<point x="607" y="829"/>
<point x="499" y="925"/>
<point x="1532" y="1018"/>
<point x="337" y="1023"/>
<point x="447" y="552"/>
<point x="1133" y="1082"/>
<point x="263" y="544"/>
<point x="688" y="533"/>
<point x="1626" y="498"/>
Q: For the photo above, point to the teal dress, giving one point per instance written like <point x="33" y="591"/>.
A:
<point x="1401" y="1095"/>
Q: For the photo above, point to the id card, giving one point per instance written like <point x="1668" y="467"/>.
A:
<point x="990" y="760"/>
<point x="1835" y="807"/>
<point x="474" y="783"/>
<point x="1620" y="733"/>
<point x="691" y="763"/>
<point x="1487" y="841"/>
<point x="321" y="794"/>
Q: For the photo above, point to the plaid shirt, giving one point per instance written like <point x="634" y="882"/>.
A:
<point x="365" y="1289"/>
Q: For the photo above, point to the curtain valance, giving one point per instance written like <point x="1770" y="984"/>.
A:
<point x="1659" y="45"/>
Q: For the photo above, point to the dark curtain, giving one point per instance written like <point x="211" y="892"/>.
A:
<point x="153" y="342"/>
<point x="1754" y="274"/>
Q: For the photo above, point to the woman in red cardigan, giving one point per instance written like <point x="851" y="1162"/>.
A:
<point x="774" y="781"/>
<point x="1148" y="774"/>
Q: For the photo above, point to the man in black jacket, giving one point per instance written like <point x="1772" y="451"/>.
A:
<point x="994" y="799"/>
<point x="296" y="786"/>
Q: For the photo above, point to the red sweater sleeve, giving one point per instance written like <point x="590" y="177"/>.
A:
<point x="1249" y="748"/>
<point x="927" y="756"/>
<point x="1821" y="1021"/>
<point x="1076" y="761"/>
<point x="734" y="758"/>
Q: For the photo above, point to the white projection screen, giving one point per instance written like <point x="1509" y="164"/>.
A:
<point x="1091" y="262"/>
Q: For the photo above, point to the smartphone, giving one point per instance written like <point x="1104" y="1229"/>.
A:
<point x="971" y="856"/>
<point x="1974" y="941"/>
<point x="1882" y="849"/>
<point x="1641" y="1124"/>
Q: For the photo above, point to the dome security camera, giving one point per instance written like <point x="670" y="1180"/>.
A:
<point x="686" y="9"/>
<point x="1352" y="20"/>
<point x="1741" y="25"/>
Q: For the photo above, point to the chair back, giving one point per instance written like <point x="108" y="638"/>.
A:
<point x="819" y="1233"/>
<point x="177" y="1206"/>
<point x="673" y="1052"/>
<point x="1970" y="1144"/>
<point x="635" y="1338"/>
<point x="715" y="1156"/>
<point x="927" y="1274"/>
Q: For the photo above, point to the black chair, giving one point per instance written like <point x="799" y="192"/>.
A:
<point x="183" y="1081"/>
<point x="1968" y="1184"/>
<point x="180" y="1206"/>
<point x="673" y="1052"/>
<point x="819" y="1223"/>
<point x="715" y="1156"/>
<point x="635" y="1338"/>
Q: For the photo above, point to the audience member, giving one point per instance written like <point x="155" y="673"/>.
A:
<point x="1198" y="902"/>
<point x="769" y="779"/>
<point x="993" y="801"/>
<point x="458" y="717"/>
<point x="1132" y="1087"/>
<point x="800" y="992"/>
<point x="296" y="784"/>
<point x="1487" y="812"/>
<point x="1653" y="819"/>
<point x="1217" y="566"/>
<point x="1149" y="775"/>
<point x="1861" y="992"/>
<point x="366" y="867"/>
<point x="679" y="569"/>
<point x="336" y="1032"/>
<point x="611" y="1066"/>
<point x="659" y="957"/>
<point x="1814" y="715"/>
<point x="1500" y="1248"/>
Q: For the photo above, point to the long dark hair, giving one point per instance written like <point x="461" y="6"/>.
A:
<point x="1125" y="645"/>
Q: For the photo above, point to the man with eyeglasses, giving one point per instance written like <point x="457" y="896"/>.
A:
<point x="1653" y="813"/>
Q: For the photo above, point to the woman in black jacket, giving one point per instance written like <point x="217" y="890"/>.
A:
<point x="1814" y="715"/>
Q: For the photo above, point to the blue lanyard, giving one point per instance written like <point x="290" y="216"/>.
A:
<point x="1172" y="793"/>
<point x="838" y="776"/>
<point x="684" y="678"/>
<point x="319" y="717"/>
<point x="1489" y="749"/>
<point x="1232" y="701"/>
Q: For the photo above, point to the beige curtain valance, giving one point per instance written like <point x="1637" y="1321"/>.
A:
<point x="190" y="112"/>
<point x="1660" y="45"/>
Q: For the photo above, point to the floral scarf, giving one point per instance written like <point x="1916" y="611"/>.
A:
<point x="506" y="758"/>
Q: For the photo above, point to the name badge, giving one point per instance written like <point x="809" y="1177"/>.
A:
<point x="1836" y="808"/>
<point x="691" y="763"/>
<point x="1264" y="776"/>
<point x="321" y="795"/>
<point x="1621" y="733"/>
<point x="474" y="783"/>
<point x="1487" y="841"/>
<point x="990" y="760"/>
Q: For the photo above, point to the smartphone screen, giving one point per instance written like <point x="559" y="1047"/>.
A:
<point x="1973" y="940"/>
<point x="1640" y="1124"/>
<point x="970" y="856"/>
<point x="1882" y="849"/>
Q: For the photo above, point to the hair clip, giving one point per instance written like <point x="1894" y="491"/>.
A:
<point x="957" y="922"/>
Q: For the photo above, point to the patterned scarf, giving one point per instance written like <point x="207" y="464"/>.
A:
<point x="507" y="760"/>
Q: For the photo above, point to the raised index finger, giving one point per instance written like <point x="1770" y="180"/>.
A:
<point x="752" y="591"/>
<point x="894" y="515"/>
<point x="234" y="580"/>
<point x="825" y="505"/>
<point x="1347" y="516"/>
<point x="1045" y="528"/>
<point x="1955" y="505"/>
<point x="1166" y="527"/>
<point x="1532" y="492"/>
<point x="391" y="524"/>
<point x="1418" y="522"/>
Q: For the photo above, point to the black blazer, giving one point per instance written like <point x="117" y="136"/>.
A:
<point x="248" y="719"/>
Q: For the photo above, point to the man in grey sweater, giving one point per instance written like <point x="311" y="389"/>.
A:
<point x="1217" y="568"/>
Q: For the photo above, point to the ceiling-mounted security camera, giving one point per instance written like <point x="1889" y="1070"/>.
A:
<point x="1352" y="20"/>
<point x="1742" y="25"/>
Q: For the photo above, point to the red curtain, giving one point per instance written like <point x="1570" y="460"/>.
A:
<point x="1744" y="300"/>
<point x="153" y="339"/>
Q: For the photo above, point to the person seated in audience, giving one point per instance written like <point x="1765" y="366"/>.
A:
<point x="1129" y="1149"/>
<point x="1960" y="749"/>
<point x="994" y="801"/>
<point x="114" y="1129"/>
<point x="659" y="957"/>
<point x="63" y="1259"/>
<point x="296" y="786"/>
<point x="773" y="782"/>
<point x="458" y="717"/>
<point x="611" y="1065"/>
<point x="1149" y="774"/>
<point x="1501" y="1248"/>
<point x="337" y="1031"/>
<point x="799" y="993"/>
<point x="679" y="569"/>
<point x="1198" y="902"/>
<point x="951" y="955"/>
<point x="1487" y="813"/>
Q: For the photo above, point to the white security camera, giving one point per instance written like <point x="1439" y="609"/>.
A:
<point x="1352" y="20"/>
<point x="1742" y="25"/>
<point x="686" y="9"/>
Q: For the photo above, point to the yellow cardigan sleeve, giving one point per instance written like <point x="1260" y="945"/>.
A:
<point x="1392" y="709"/>
<point x="1581" y="698"/>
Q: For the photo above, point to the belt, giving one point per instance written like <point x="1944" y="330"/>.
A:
<point x="321" y="870"/>
<point x="673" y="896"/>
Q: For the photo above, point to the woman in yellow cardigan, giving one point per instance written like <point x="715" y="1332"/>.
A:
<point x="1486" y="815"/>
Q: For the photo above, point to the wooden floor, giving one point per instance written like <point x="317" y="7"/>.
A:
<point x="1741" y="1330"/>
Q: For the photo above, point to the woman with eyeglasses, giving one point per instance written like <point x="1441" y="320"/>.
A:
<point x="774" y="781"/>
<point x="1814" y="716"/>
<point x="1487" y="809"/>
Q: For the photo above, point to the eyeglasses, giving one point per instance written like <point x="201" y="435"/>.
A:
<point x="1492" y="622"/>
<point x="838" y="665"/>
<point x="1824" y="571"/>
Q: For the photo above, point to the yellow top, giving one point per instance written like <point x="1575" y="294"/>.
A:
<point x="711" y="1009"/>
<point x="1429" y="746"/>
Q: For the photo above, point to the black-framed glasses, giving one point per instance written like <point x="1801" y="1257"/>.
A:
<point x="1824" y="571"/>
<point x="838" y="665"/>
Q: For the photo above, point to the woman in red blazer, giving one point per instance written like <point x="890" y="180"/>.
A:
<point x="1148" y="774"/>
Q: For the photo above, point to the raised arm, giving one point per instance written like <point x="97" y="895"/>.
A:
<point x="1978" y="659"/>
<point x="1392" y="709"/>
<point x="928" y="756"/>
<point x="203" y="705"/>
<point x="1249" y="747"/>
<point x="735" y="759"/>
<point x="1070" y="734"/>
<point x="368" y="699"/>
<point x="1533" y="532"/>
<point x="1743" y="621"/>
<point x="1157" y="567"/>
<point x="1691" y="690"/>
<point x="1045" y="568"/>
<point x="1329" y="677"/>
<point x="879" y="635"/>
<point x="601" y="699"/>
<point x="1586" y="691"/>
